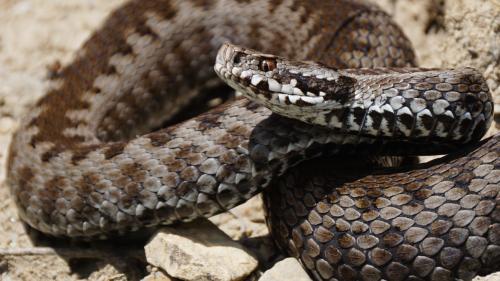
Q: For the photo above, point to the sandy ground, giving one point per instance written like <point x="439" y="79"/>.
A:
<point x="36" y="34"/>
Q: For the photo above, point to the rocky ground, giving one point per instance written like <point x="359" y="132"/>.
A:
<point x="35" y="35"/>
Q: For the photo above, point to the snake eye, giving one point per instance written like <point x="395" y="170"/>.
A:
<point x="267" y="65"/>
<point x="237" y="58"/>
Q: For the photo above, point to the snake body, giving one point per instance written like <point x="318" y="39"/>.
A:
<point x="85" y="164"/>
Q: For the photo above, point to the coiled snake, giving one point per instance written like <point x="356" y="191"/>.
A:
<point x="83" y="165"/>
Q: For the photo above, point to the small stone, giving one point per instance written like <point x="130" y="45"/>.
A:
<point x="287" y="269"/>
<point x="199" y="251"/>
<point x="157" y="276"/>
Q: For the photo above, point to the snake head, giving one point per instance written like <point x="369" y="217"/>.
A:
<point x="285" y="86"/>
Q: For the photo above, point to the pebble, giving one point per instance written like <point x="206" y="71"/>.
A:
<point x="287" y="269"/>
<point x="199" y="251"/>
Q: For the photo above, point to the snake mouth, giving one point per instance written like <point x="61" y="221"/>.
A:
<point x="281" y="83"/>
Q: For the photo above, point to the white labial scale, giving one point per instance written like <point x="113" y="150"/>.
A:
<point x="236" y="71"/>
<point x="274" y="86"/>
<point x="440" y="128"/>
<point x="245" y="74"/>
<point x="281" y="98"/>
<point x="294" y="98"/>
<point x="287" y="89"/>
<point x="312" y="100"/>
<point x="256" y="79"/>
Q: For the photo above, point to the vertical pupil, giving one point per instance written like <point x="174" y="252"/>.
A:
<point x="265" y="66"/>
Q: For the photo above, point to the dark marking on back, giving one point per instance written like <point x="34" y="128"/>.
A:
<point x="78" y="77"/>
<point x="243" y="1"/>
<point x="273" y="4"/>
<point x="53" y="187"/>
<point x="159" y="138"/>
<point x="81" y="153"/>
<point x="26" y="189"/>
<point x="205" y="4"/>
<point x="114" y="149"/>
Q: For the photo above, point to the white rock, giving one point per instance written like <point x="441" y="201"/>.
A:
<point x="157" y="276"/>
<point x="287" y="269"/>
<point x="199" y="251"/>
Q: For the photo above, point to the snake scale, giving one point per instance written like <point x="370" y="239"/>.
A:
<point x="88" y="160"/>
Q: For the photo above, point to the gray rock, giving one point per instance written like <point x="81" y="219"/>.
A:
<point x="157" y="276"/>
<point x="287" y="269"/>
<point x="199" y="251"/>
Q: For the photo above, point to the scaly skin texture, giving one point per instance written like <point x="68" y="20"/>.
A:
<point x="437" y="221"/>
<point x="82" y="164"/>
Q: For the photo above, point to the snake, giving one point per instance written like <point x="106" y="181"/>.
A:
<point x="101" y="152"/>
